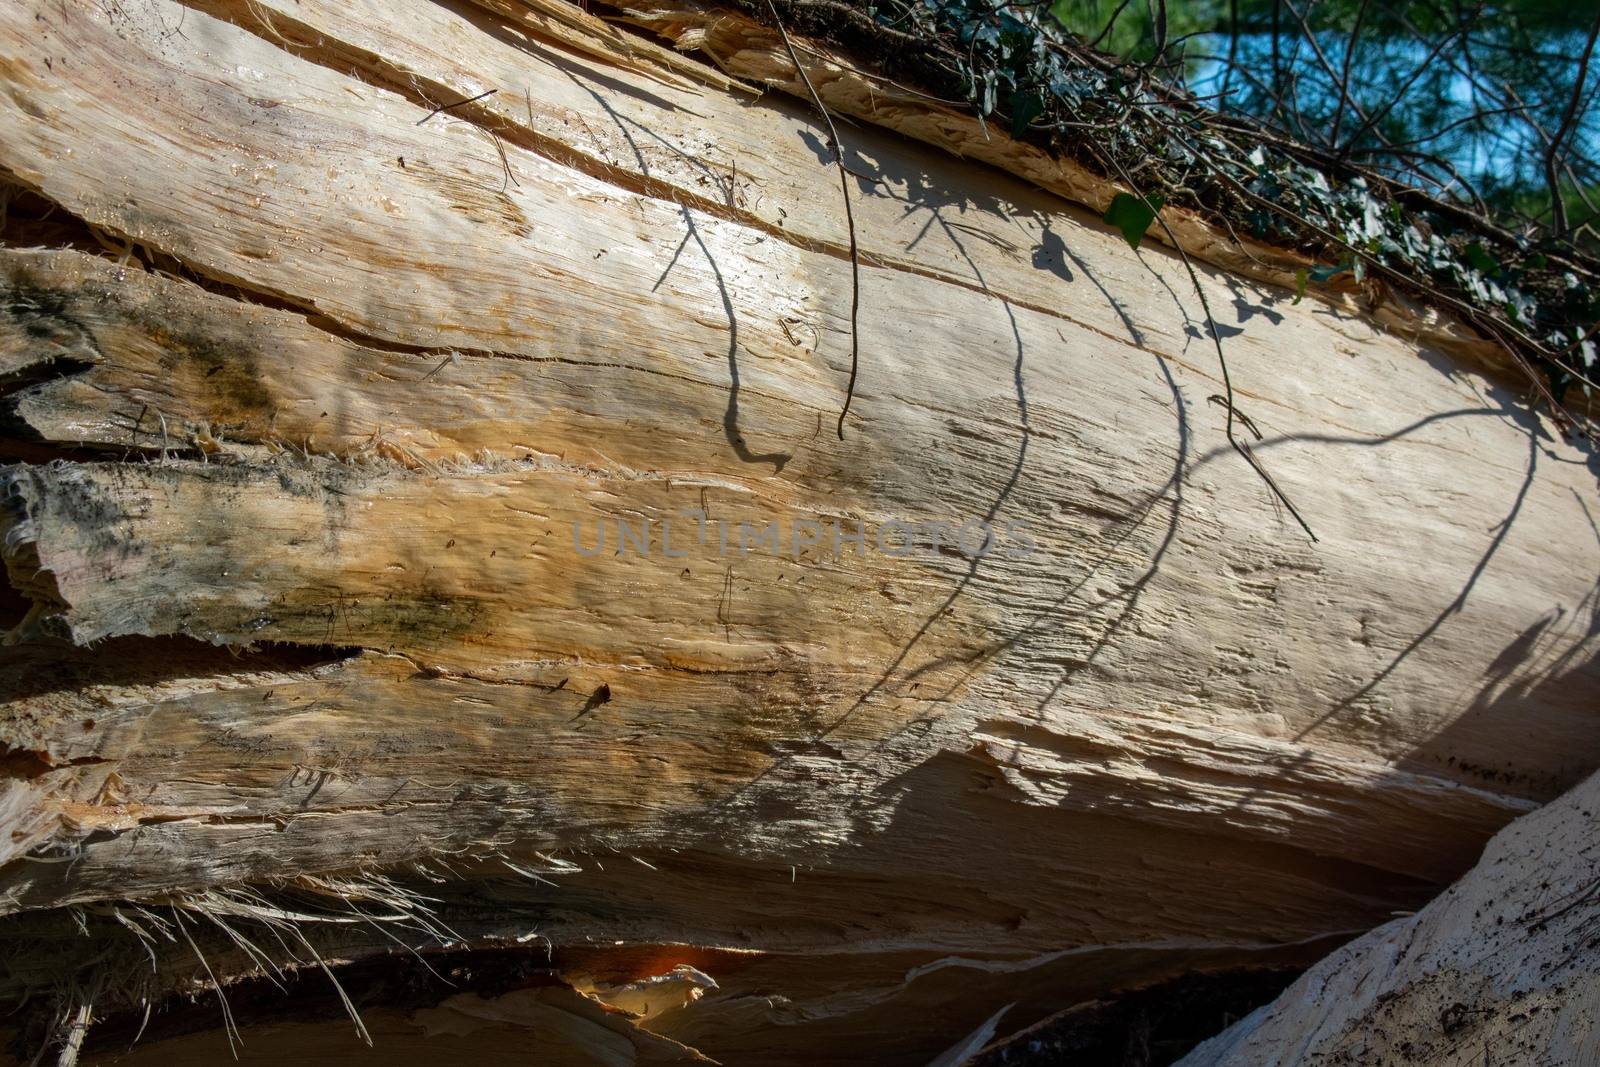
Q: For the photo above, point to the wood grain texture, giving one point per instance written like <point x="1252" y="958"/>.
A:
<point x="301" y="590"/>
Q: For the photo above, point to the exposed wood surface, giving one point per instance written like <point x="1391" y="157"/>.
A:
<point x="333" y="375"/>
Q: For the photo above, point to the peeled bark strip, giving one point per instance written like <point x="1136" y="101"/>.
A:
<point x="326" y="394"/>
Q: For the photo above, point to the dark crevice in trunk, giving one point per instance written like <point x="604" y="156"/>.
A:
<point x="35" y="670"/>
<point x="397" y="982"/>
<point x="25" y="763"/>
<point x="1150" y="1027"/>
<point x="72" y="233"/>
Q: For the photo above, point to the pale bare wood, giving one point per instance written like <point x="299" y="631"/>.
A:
<point x="1177" y="726"/>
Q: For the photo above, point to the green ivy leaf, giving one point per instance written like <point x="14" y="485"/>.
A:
<point x="1301" y="276"/>
<point x="1481" y="260"/>
<point x="1025" y="107"/>
<point x="1133" y="215"/>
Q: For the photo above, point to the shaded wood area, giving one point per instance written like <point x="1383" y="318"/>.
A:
<point x="323" y="371"/>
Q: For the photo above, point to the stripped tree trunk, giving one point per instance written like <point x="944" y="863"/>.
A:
<point x="320" y="396"/>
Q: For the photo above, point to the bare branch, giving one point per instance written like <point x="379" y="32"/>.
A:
<point x="849" y="216"/>
<point x="1558" y="207"/>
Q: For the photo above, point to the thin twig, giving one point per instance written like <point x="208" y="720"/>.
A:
<point x="1227" y="379"/>
<point x="1399" y="94"/>
<point x="849" y="216"/>
<point x="75" y="1027"/>
<point x="1110" y="24"/>
<point x="1558" y="207"/>
<point x="458" y="103"/>
<point x="1344" y="76"/>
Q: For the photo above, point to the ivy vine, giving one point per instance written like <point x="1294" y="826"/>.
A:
<point x="1018" y="68"/>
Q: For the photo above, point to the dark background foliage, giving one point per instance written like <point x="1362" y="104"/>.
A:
<point x="1477" y="100"/>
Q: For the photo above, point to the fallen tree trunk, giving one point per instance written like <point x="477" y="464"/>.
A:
<point x="326" y="372"/>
